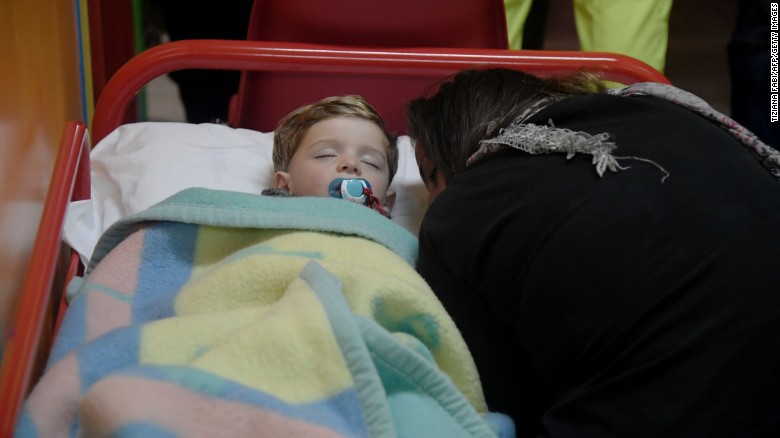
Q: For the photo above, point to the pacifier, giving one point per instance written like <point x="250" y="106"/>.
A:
<point x="356" y="190"/>
<point x="351" y="189"/>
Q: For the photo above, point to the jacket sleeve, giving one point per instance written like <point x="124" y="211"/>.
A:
<point x="493" y="346"/>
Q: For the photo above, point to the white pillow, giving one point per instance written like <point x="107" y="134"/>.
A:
<point x="140" y="164"/>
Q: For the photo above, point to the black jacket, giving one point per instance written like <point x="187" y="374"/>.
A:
<point x="617" y="305"/>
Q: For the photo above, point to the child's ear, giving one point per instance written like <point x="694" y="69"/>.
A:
<point x="389" y="201"/>
<point x="282" y="180"/>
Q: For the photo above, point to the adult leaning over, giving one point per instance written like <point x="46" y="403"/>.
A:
<point x="611" y="258"/>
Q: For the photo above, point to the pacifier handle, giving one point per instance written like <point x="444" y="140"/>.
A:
<point x="356" y="190"/>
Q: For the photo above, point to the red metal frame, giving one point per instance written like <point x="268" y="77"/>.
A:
<point x="298" y="57"/>
<point x="37" y="313"/>
<point x="41" y="299"/>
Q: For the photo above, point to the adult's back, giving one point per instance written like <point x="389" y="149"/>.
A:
<point x="618" y="305"/>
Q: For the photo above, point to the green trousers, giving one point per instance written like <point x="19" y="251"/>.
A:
<point x="637" y="28"/>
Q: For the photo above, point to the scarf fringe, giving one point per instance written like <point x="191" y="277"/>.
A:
<point x="539" y="139"/>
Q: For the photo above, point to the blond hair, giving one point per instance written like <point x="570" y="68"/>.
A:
<point x="292" y="129"/>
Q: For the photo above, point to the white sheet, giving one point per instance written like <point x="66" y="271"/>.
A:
<point x="140" y="164"/>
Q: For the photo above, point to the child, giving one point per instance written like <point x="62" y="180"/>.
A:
<point x="298" y="316"/>
<point x="330" y="147"/>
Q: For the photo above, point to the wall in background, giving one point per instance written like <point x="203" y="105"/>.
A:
<point x="40" y="90"/>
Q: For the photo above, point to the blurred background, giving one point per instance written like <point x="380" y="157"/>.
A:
<point x="699" y="31"/>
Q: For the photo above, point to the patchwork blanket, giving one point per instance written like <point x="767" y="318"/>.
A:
<point x="226" y="314"/>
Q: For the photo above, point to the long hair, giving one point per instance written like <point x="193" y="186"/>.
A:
<point x="477" y="104"/>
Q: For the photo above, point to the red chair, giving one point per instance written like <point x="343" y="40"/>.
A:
<point x="381" y="23"/>
<point x="357" y="23"/>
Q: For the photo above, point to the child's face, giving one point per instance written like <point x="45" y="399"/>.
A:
<point x="341" y="147"/>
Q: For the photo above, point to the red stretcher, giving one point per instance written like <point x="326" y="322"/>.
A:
<point x="386" y="77"/>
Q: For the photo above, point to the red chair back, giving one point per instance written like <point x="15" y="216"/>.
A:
<point x="264" y="98"/>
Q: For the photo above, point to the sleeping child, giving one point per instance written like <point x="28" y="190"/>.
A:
<point x="219" y="313"/>
<point x="336" y="147"/>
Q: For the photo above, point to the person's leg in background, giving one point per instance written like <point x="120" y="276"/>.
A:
<point x="749" y="64"/>
<point x="206" y="93"/>
<point x="516" y="14"/>
<point x="637" y="28"/>
<point x="526" y="23"/>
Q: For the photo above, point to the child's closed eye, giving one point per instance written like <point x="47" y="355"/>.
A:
<point x="371" y="163"/>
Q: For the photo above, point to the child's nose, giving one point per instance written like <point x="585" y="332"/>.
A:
<point x="349" y="165"/>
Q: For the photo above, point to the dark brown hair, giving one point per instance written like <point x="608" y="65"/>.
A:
<point x="477" y="104"/>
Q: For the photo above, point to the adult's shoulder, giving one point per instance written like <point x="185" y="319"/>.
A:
<point x="600" y="108"/>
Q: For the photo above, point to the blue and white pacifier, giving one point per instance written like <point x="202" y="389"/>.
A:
<point x="351" y="189"/>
